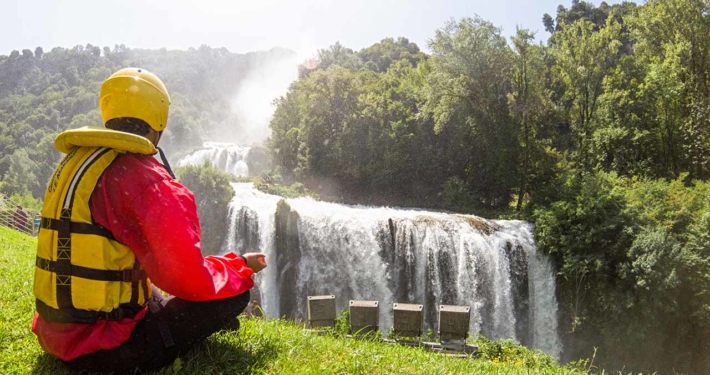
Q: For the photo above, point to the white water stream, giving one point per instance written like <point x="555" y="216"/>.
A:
<point x="401" y="255"/>
<point x="227" y="157"/>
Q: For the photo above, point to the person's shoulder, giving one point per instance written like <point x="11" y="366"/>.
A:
<point x="135" y="170"/>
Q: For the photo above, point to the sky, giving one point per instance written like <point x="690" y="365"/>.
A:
<point x="243" y="26"/>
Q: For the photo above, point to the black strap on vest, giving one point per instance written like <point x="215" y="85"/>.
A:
<point x="74" y="227"/>
<point x="84" y="316"/>
<point x="132" y="275"/>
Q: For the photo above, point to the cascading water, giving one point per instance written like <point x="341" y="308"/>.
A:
<point x="252" y="229"/>
<point x="227" y="157"/>
<point x="398" y="255"/>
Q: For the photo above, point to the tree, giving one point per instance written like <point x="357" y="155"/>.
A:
<point x="389" y="50"/>
<point x="549" y="23"/>
<point x="469" y="86"/>
<point x="284" y="141"/>
<point x="21" y="176"/>
<point x="583" y="58"/>
<point x="529" y="99"/>
<point x="337" y="55"/>
<point x="670" y="38"/>
<point x="332" y="95"/>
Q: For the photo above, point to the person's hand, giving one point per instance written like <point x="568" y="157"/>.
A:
<point x="255" y="261"/>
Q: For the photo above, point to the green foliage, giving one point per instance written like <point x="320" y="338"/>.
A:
<point x="428" y="335"/>
<point x="529" y="103"/>
<point x="212" y="194"/>
<point x="457" y="196"/>
<point x="506" y="351"/>
<point x="653" y="262"/>
<point x="27" y="201"/>
<point x="342" y="323"/>
<point x="630" y="255"/>
<point x="468" y="92"/>
<point x="672" y="206"/>
<point x="270" y="186"/>
<point x="584" y="229"/>
<point x="583" y="58"/>
<point x="20" y="176"/>
<point x="44" y="93"/>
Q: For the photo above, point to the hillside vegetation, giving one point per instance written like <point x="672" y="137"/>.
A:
<point x="44" y="93"/>
<point x="258" y="347"/>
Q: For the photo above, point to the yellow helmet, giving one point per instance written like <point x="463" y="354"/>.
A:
<point x="137" y="93"/>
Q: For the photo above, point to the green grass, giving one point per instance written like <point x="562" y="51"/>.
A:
<point x="260" y="347"/>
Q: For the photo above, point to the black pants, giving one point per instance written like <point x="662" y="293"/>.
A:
<point x="171" y="327"/>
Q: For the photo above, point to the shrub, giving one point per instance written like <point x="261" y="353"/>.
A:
<point x="212" y="195"/>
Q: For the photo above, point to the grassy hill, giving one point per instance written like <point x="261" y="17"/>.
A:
<point x="260" y="347"/>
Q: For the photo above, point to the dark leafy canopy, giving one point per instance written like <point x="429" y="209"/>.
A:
<point x="44" y="93"/>
<point x="468" y="88"/>
<point x="600" y="137"/>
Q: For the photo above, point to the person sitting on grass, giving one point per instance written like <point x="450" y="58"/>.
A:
<point x="115" y="224"/>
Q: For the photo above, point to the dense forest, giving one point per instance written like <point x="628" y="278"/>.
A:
<point x="600" y="136"/>
<point x="45" y="93"/>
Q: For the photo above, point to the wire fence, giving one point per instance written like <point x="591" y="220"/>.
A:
<point x="13" y="215"/>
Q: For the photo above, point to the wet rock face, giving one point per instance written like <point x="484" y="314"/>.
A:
<point x="288" y="257"/>
<point x="521" y="290"/>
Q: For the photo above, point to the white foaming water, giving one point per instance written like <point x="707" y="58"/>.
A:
<point x="227" y="157"/>
<point x="403" y="255"/>
<point x="541" y="276"/>
<point x="251" y="214"/>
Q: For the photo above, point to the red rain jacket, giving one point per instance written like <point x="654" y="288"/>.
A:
<point x="144" y="208"/>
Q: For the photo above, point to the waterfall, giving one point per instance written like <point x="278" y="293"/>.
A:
<point x="398" y="255"/>
<point x="252" y="229"/>
<point x="227" y="157"/>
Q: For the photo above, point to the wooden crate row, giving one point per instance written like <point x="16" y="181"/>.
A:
<point x="408" y="319"/>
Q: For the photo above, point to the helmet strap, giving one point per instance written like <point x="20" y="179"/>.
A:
<point x="165" y="162"/>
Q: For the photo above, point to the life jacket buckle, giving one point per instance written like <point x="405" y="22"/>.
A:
<point x="129" y="275"/>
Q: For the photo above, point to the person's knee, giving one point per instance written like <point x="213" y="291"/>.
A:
<point x="225" y="311"/>
<point x="235" y="305"/>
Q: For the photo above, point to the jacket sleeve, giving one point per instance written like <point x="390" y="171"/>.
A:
<point x="165" y="218"/>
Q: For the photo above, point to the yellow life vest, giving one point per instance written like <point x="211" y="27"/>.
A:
<point x="82" y="273"/>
